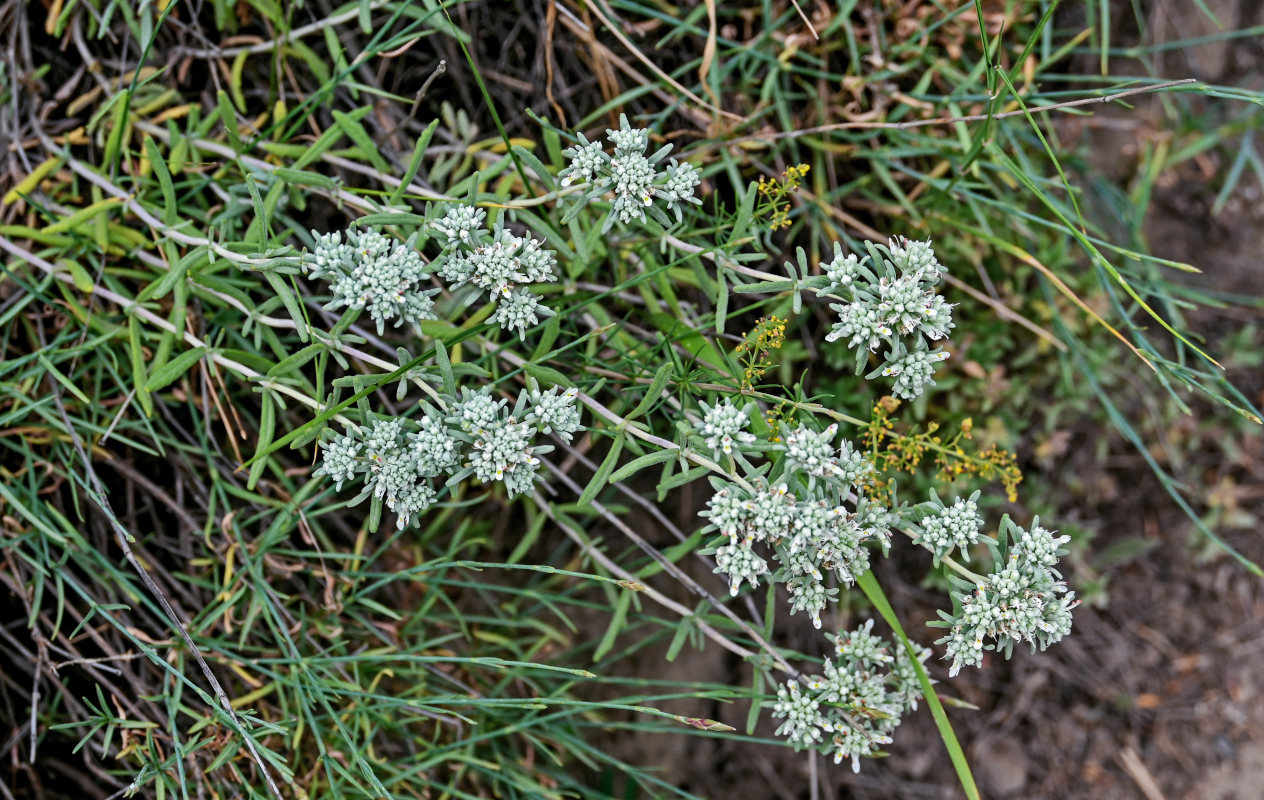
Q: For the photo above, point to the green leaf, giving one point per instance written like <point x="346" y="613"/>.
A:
<point x="770" y="610"/>
<point x="548" y="335"/>
<point x="159" y="165"/>
<point x="228" y="118"/>
<point x="261" y="213"/>
<point x="356" y="133"/>
<point x="298" y="177"/>
<point x="616" y="624"/>
<point x="547" y="375"/>
<point x="139" y="373"/>
<point x="290" y="364"/>
<point x="602" y="477"/>
<point x="32" y="181"/>
<point x="694" y="343"/>
<point x="174" y="369"/>
<point x="636" y="465"/>
<point x="757" y="703"/>
<point x="393" y="218"/>
<point x="414" y="163"/>
<point x="683" y="629"/>
<point x="445" y="368"/>
<point x="78" y="220"/>
<point x="688" y="476"/>
<point x="722" y="300"/>
<point x="267" y="427"/>
<point x="536" y="165"/>
<point x="653" y="393"/>
<point x="745" y="213"/>
<point x="766" y="287"/>
<point x="290" y="302"/>
<point x="328" y="139"/>
<point x="869" y="585"/>
<point x="82" y="280"/>
<point x="172" y="276"/>
<point x="63" y="380"/>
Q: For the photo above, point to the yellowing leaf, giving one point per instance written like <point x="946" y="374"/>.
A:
<point x="28" y="184"/>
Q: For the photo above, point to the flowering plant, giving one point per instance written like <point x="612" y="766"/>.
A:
<point x="637" y="181"/>
<point x="857" y="701"/>
<point x="476" y="435"/>
<point x="792" y="501"/>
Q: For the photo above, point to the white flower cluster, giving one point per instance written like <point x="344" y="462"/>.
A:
<point x="370" y="271"/>
<point x="497" y="263"/>
<point x="635" y="178"/>
<point x="555" y="411"/>
<point x="889" y="300"/>
<point x="948" y="528"/>
<point x="857" y="701"/>
<point x="1024" y="599"/>
<point x="478" y="435"/>
<point x="913" y="371"/>
<point x="796" y="511"/>
<point x="723" y="426"/>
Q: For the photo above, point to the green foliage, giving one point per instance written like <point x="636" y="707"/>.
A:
<point x="172" y="366"/>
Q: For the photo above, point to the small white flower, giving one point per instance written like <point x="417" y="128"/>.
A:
<point x="812" y="451"/>
<point x="802" y="714"/>
<point x="461" y="224"/>
<point x="740" y="562"/>
<point x="724" y="426"/>
<point x="370" y="271"/>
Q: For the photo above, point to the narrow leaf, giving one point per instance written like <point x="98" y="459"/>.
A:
<point x="159" y="165"/>
<point x="414" y="163"/>
<point x="228" y="118"/>
<point x="535" y="165"/>
<point x="616" y="624"/>
<point x="869" y="585"/>
<point x="174" y="369"/>
<point x="602" y="477"/>
<point x="654" y="392"/>
<point x="636" y="465"/>
<point x="445" y="368"/>
<point x="31" y="181"/>
<point x="290" y="302"/>
<point x="139" y="373"/>
<point x="547" y="375"/>
<point x="267" y="427"/>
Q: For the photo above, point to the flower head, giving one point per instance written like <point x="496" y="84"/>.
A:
<point x="587" y="159"/>
<point x="723" y="426"/>
<point x="340" y="459"/>
<point x="740" y="562"/>
<point x="519" y="310"/>
<point x="812" y="451"/>
<point x="890" y="300"/>
<point x="633" y="176"/>
<point x="950" y="527"/>
<point x="555" y="411"/>
<point x="913" y="371"/>
<point x="802" y="713"/>
<point x="370" y="271"/>
<point x="462" y="225"/>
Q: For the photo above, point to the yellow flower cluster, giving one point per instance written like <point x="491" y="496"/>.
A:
<point x="893" y="451"/>
<point x="757" y="345"/>
<point x="774" y="203"/>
